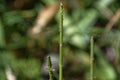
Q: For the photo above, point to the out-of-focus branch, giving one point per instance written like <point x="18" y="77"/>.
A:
<point x="113" y="20"/>
<point x="44" y="17"/>
<point x="9" y="74"/>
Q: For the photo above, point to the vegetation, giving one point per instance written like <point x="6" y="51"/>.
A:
<point x="51" y="75"/>
<point x="29" y="32"/>
<point x="61" y="43"/>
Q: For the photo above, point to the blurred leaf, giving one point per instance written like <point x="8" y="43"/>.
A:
<point x="17" y="41"/>
<point x="12" y="17"/>
<point x="103" y="3"/>
<point x="2" y="6"/>
<point x="77" y="34"/>
<point x="103" y="69"/>
<point x="2" y="75"/>
<point x="27" y="67"/>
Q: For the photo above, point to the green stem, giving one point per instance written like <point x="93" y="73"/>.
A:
<point x="50" y="69"/>
<point x="2" y="36"/>
<point x="61" y="43"/>
<point x="91" y="57"/>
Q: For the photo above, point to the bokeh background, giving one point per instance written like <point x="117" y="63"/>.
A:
<point x="29" y="32"/>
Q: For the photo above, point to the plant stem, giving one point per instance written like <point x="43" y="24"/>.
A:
<point x="61" y="43"/>
<point x="2" y="36"/>
<point x="50" y="68"/>
<point x="91" y="57"/>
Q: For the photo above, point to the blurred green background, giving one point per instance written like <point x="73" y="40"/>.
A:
<point x="29" y="32"/>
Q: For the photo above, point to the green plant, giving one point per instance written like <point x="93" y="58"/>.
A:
<point x="61" y="43"/>
<point x="91" y="57"/>
<point x="50" y="68"/>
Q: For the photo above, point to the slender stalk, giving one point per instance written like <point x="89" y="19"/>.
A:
<point x="2" y="36"/>
<point x="61" y="43"/>
<point x="91" y="57"/>
<point x="50" y="69"/>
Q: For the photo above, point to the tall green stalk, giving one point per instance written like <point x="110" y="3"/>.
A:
<point x="2" y="37"/>
<point x="50" y="69"/>
<point x="61" y="43"/>
<point x="91" y="57"/>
